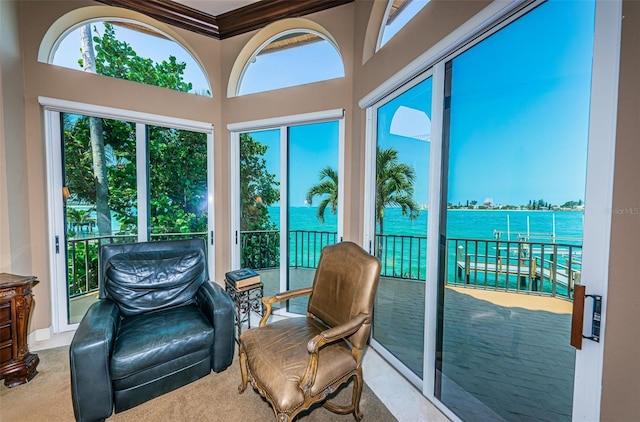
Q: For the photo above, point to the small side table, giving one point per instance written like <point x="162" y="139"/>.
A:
<point x="247" y="300"/>
<point x="17" y="365"/>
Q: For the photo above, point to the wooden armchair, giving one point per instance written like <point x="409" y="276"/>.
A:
<point x="297" y="362"/>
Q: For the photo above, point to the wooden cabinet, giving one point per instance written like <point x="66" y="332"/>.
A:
<point x="17" y="365"/>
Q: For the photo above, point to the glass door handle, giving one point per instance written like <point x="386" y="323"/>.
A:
<point x="577" y="320"/>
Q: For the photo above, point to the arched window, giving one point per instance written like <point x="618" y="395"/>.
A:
<point x="129" y="50"/>
<point x="290" y="58"/>
<point x="396" y="16"/>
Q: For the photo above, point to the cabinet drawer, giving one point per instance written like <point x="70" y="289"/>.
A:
<point x="5" y="333"/>
<point x="5" y="312"/>
<point x="6" y="353"/>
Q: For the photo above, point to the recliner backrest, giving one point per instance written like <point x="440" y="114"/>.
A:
<point x="150" y="276"/>
<point x="344" y="287"/>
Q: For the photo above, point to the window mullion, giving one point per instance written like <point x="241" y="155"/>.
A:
<point x="284" y="203"/>
<point x="142" y="181"/>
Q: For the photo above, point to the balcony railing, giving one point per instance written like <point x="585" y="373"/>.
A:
<point x="402" y="256"/>
<point x="82" y="258"/>
<point x="517" y="266"/>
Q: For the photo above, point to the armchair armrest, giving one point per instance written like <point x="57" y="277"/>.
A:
<point x="218" y="307"/>
<point x="327" y="336"/>
<point x="89" y="355"/>
<point x="281" y="297"/>
<point x="336" y="333"/>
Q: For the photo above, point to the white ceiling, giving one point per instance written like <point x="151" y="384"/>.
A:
<point x="215" y="7"/>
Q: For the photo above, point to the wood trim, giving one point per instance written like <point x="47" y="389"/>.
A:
<point x="172" y="13"/>
<point x="236" y="22"/>
<point x="260" y="14"/>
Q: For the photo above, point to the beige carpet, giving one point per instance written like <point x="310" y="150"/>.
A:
<point x="212" y="398"/>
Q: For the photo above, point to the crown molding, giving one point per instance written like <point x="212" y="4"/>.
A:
<point x="248" y="18"/>
<point x="260" y="14"/>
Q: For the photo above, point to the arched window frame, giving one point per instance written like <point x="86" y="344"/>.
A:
<point x="266" y="36"/>
<point x="385" y="19"/>
<point x="71" y="21"/>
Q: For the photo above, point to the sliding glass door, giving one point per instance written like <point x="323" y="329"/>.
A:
<point x="116" y="181"/>
<point x="517" y="116"/>
<point x="518" y="177"/>
<point x="288" y="202"/>
<point x="401" y="215"/>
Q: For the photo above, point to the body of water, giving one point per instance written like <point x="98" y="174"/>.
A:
<point x="471" y="224"/>
<point x="403" y="247"/>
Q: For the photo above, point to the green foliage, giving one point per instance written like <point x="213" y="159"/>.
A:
<point x="258" y="190"/>
<point x="117" y="59"/>
<point x="328" y="189"/>
<point x="177" y="161"/>
<point x="82" y="262"/>
<point x="394" y="188"/>
<point x="177" y="181"/>
<point x="258" y="187"/>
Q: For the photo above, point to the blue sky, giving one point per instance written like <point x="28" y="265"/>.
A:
<point x="519" y="119"/>
<point x="311" y="148"/>
<point x="520" y="109"/>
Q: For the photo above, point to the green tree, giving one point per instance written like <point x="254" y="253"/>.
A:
<point x="93" y="145"/>
<point x="394" y="187"/>
<point x="328" y="189"/>
<point x="259" y="242"/>
<point x="118" y="59"/>
<point x="177" y="181"/>
<point x="258" y="187"/>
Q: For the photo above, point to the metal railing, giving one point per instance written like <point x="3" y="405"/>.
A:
<point x="519" y="266"/>
<point x="402" y="256"/>
<point x="82" y="258"/>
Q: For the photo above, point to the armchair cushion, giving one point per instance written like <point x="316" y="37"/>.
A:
<point x="147" y="341"/>
<point x="277" y="355"/>
<point x="141" y="282"/>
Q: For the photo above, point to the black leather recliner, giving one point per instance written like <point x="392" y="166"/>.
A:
<point x="160" y="324"/>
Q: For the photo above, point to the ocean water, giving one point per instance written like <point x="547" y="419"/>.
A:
<point x="403" y="249"/>
<point x="471" y="224"/>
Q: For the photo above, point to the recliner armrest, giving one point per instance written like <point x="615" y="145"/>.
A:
<point x="218" y="307"/>
<point x="89" y="355"/>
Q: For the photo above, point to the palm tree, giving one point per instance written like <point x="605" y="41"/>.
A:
<point x="328" y="186"/>
<point x="394" y="187"/>
<point x="78" y="217"/>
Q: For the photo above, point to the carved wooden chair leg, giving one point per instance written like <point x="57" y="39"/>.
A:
<point x="357" y="393"/>
<point x="243" y="371"/>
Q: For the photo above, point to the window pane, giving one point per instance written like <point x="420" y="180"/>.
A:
<point x="313" y="201"/>
<point x="290" y="60"/>
<point x="400" y="12"/>
<point x="260" y="206"/>
<point x="178" y="197"/>
<point x="518" y="125"/>
<point x="126" y="50"/>
<point x="402" y="181"/>
<point x="101" y="205"/>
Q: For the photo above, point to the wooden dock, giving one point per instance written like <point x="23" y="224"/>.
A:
<point x="523" y="268"/>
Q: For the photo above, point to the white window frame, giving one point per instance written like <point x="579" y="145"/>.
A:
<point x="282" y="124"/>
<point x="599" y="183"/>
<point x="53" y="140"/>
